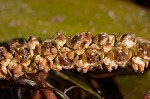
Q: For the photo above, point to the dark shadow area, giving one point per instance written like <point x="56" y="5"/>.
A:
<point x="143" y="3"/>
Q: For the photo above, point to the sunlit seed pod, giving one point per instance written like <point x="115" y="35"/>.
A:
<point x="76" y="41"/>
<point x="24" y="53"/>
<point x="76" y="61"/>
<point x="51" y="57"/>
<point x="128" y="43"/>
<point x="65" y="63"/>
<point x="68" y="42"/>
<point x="8" y="55"/>
<point x="79" y="51"/>
<point x="90" y="52"/>
<point x="65" y="50"/>
<point x="138" y="64"/>
<point x="122" y="36"/>
<point x="31" y="69"/>
<point x="103" y="38"/>
<point x="31" y="53"/>
<point x="80" y="63"/>
<point x="17" y="72"/>
<point x="37" y="59"/>
<point x="5" y="62"/>
<point x="70" y="55"/>
<point x="44" y="65"/>
<point x="122" y="55"/>
<point x="86" y="67"/>
<point x="2" y="50"/>
<point x="32" y="42"/>
<point x="54" y="50"/>
<point x="12" y="64"/>
<point x="60" y="40"/>
<point x="4" y="69"/>
<point x="47" y="44"/>
<point x="13" y="45"/>
<point x="127" y="40"/>
<point x="111" y="40"/>
<point x="79" y="69"/>
<point x="94" y="57"/>
<point x="110" y="64"/>
<point x="87" y="40"/>
<point x="77" y="45"/>
<point x="143" y="50"/>
<point x="94" y="46"/>
<point x="26" y="63"/>
<point x="56" y="65"/>
<point x="107" y="47"/>
<point x="99" y="59"/>
<point x="46" y="53"/>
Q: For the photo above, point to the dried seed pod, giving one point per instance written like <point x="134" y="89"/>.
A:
<point x="76" y="41"/>
<point x="144" y="50"/>
<point x="48" y="47"/>
<point x="70" y="55"/>
<point x="17" y="72"/>
<point x="26" y="63"/>
<point x="139" y="64"/>
<point x="44" y="65"/>
<point x="32" y="42"/>
<point x="110" y="64"/>
<point x="24" y="54"/>
<point x="88" y="39"/>
<point x="80" y="51"/>
<point x="56" y="65"/>
<point x="51" y="57"/>
<point x="60" y="40"/>
<point x="101" y="39"/>
<point x="31" y="69"/>
<point x="127" y="40"/>
<point x="122" y="56"/>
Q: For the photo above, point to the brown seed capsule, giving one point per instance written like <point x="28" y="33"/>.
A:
<point x="121" y="56"/>
<point x="17" y="72"/>
<point x="32" y="42"/>
<point x="138" y="64"/>
<point x="26" y="63"/>
<point x="65" y="50"/>
<point x="70" y="55"/>
<point x="60" y="40"/>
<point x="87" y="40"/>
<point x="12" y="64"/>
<point x="56" y="65"/>
<point x="31" y="69"/>
<point x="80" y="51"/>
<point x="127" y="40"/>
<point x="44" y="65"/>
<point x="5" y="62"/>
<point x="76" y="41"/>
<point x="53" y="50"/>
<point x="51" y="57"/>
<point x="110" y="64"/>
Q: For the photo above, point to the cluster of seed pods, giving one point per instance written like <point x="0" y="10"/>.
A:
<point x="82" y="52"/>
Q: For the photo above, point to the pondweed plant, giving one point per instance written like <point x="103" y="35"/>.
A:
<point x="29" y="62"/>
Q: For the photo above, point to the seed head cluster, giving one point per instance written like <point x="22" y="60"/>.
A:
<point x="82" y="52"/>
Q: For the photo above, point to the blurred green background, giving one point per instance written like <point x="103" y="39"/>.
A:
<point x="42" y="18"/>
